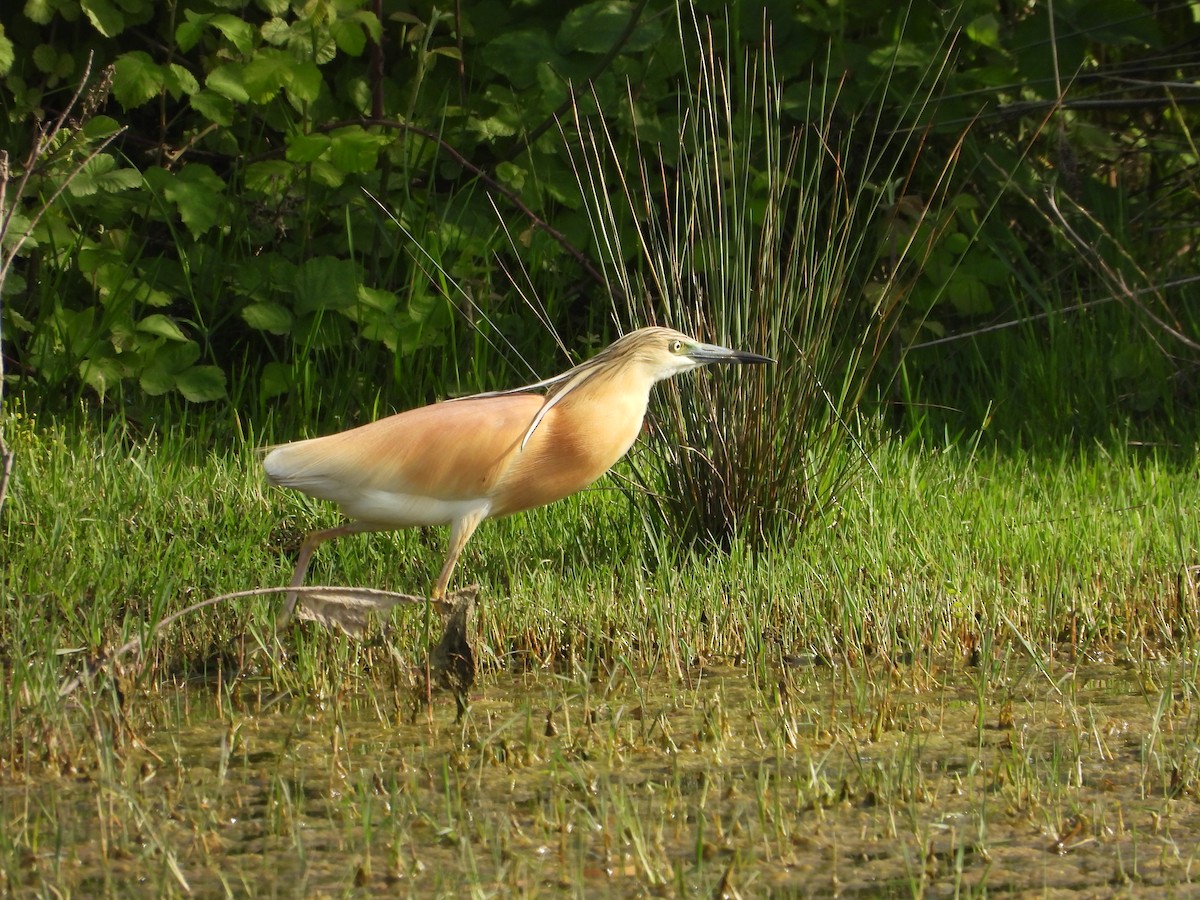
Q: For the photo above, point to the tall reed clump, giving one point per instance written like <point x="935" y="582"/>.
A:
<point x="778" y="238"/>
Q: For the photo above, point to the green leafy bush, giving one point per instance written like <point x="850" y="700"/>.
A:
<point x="226" y="240"/>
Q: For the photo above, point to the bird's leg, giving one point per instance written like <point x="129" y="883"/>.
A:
<point x="461" y="530"/>
<point x="311" y="543"/>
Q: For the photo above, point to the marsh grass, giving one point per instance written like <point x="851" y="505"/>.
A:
<point x="109" y="531"/>
<point x="771" y="226"/>
<point x="953" y="666"/>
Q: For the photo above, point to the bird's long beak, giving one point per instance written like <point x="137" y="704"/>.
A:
<point x="712" y="353"/>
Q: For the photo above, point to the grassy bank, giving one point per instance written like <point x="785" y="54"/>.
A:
<point x="978" y="671"/>
<point x="937" y="550"/>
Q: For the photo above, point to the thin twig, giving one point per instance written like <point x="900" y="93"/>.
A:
<point x="442" y="606"/>
<point x="482" y="174"/>
<point x="6" y="456"/>
<point x="10" y="247"/>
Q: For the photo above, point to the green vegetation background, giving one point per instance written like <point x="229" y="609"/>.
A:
<point x="968" y="236"/>
<point x="226" y="248"/>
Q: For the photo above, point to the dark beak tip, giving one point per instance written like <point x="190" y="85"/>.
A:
<point x="711" y="354"/>
<point x="753" y="359"/>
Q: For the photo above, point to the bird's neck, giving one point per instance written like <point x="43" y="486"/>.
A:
<point x="613" y="404"/>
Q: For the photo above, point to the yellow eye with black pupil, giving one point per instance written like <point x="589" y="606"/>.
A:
<point x="676" y="346"/>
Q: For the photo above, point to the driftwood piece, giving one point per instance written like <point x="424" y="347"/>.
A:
<point x="351" y="609"/>
<point x="451" y="662"/>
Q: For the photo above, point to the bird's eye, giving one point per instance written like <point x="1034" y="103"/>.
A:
<point x="675" y="346"/>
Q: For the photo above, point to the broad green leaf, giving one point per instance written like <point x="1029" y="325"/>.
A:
<point x="263" y="276"/>
<point x="98" y="127"/>
<point x="597" y="27"/>
<point x="11" y="314"/>
<point x="350" y="37"/>
<point x="18" y="230"/>
<point x="39" y="11"/>
<point x="119" y="285"/>
<point x="100" y="373"/>
<point x="15" y="285"/>
<point x="65" y="66"/>
<point x="201" y="384"/>
<point x="136" y="79"/>
<point x="105" y="18"/>
<point x="269" y="176"/>
<point x="965" y="202"/>
<point x="276" y="379"/>
<point x="213" y="106"/>
<point x="101" y="175"/>
<point x="323" y="332"/>
<point x="199" y="193"/>
<point x="956" y="243"/>
<point x="516" y="55"/>
<point x="355" y="150"/>
<point x="510" y="174"/>
<point x="119" y="180"/>
<point x="985" y="30"/>
<point x="189" y="32"/>
<point x="180" y="81"/>
<point x="968" y="294"/>
<point x="554" y="90"/>
<point x="305" y="81"/>
<point x="268" y="317"/>
<point x="6" y="52"/>
<point x="376" y="299"/>
<point x="324" y="50"/>
<point x="156" y="381"/>
<point x="90" y="259"/>
<point x="45" y="57"/>
<point x="196" y="191"/>
<point x="76" y="329"/>
<point x="902" y="55"/>
<point x="324" y="282"/>
<point x="369" y="22"/>
<point x="174" y="357"/>
<point x="229" y="81"/>
<point x="490" y="129"/>
<point x="385" y="331"/>
<point x="276" y="32"/>
<point x="422" y="306"/>
<point x="163" y="326"/>
<point x="304" y="148"/>
<point x="238" y="31"/>
<point x="266" y="74"/>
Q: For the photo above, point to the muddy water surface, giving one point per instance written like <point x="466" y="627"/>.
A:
<point x="811" y="780"/>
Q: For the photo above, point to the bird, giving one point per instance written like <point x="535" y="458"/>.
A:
<point x="463" y="460"/>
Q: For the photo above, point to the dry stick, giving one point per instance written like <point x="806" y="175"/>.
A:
<point x="1114" y="276"/>
<point x="70" y="686"/>
<point x="6" y="456"/>
<point x="41" y="142"/>
<point x="6" y="464"/>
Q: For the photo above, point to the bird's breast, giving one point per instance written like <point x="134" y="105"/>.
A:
<point x="578" y="441"/>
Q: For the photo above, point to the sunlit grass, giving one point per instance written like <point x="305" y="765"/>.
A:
<point x="944" y="550"/>
<point x="964" y="654"/>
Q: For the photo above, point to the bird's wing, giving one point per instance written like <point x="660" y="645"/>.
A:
<point x="448" y="451"/>
<point x="523" y="389"/>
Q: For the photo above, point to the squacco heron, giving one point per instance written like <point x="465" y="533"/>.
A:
<point x="461" y="461"/>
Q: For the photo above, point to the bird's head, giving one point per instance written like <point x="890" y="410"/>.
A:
<point x="665" y="352"/>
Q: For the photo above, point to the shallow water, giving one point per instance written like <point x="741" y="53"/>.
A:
<point x="814" y="780"/>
